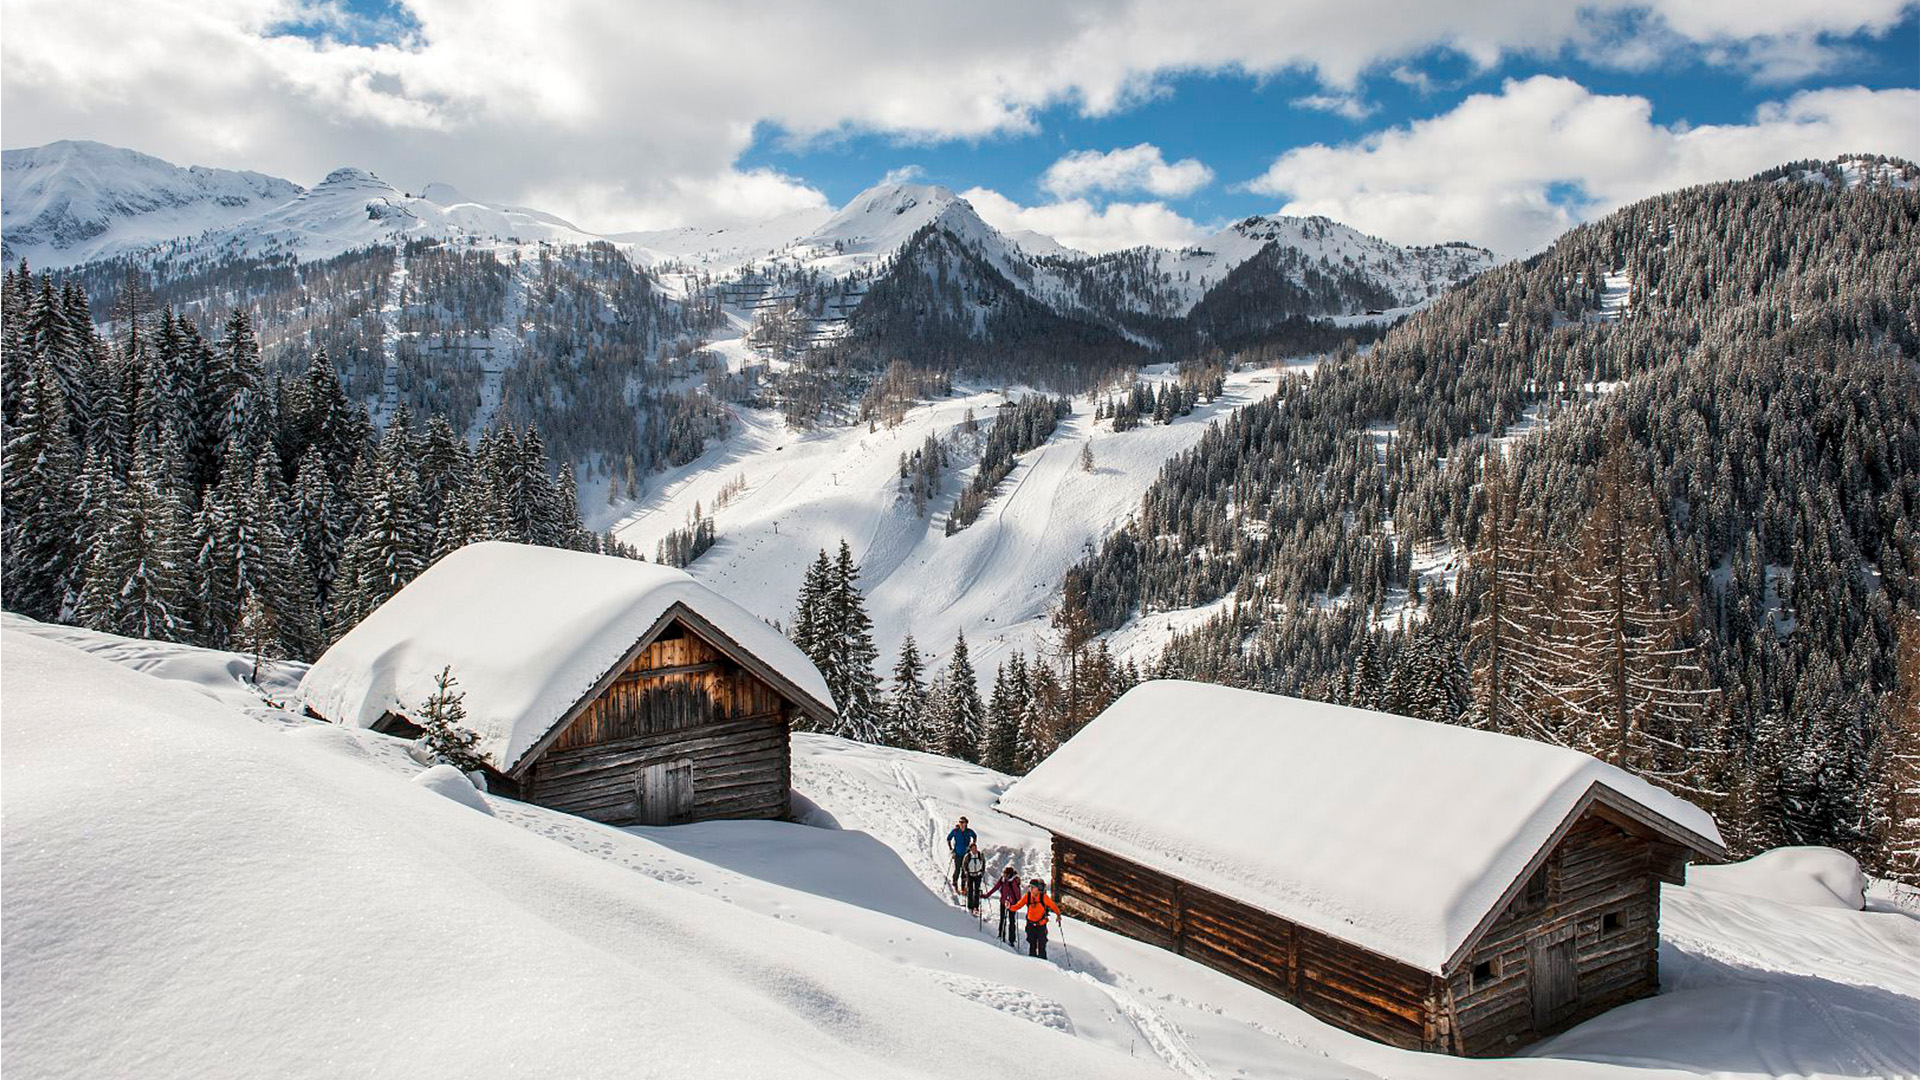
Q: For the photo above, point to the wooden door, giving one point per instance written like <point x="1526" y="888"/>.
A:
<point x="665" y="792"/>
<point x="1555" y="981"/>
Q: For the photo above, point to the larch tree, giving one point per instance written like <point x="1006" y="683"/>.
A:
<point x="1636" y="693"/>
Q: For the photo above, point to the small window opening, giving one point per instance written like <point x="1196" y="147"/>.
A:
<point x="1610" y="923"/>
<point x="1536" y="892"/>
<point x="1483" y="973"/>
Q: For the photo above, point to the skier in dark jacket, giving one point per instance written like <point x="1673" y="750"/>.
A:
<point x="1037" y="905"/>
<point x="972" y="868"/>
<point x="1007" y="891"/>
<point x="959" y="841"/>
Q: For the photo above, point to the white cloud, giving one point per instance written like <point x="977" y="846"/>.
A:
<point x="1514" y="169"/>
<point x="635" y="107"/>
<point x="1351" y="106"/>
<point x="1078" y="224"/>
<point x="1136" y="168"/>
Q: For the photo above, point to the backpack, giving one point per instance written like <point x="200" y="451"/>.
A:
<point x="976" y="863"/>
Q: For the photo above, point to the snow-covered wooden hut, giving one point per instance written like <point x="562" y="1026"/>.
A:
<point x="1432" y="887"/>
<point x="615" y="689"/>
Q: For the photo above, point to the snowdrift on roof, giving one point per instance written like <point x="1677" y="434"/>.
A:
<point x="528" y="632"/>
<point x="1393" y="834"/>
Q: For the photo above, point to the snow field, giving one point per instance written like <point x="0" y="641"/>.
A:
<point x="190" y="891"/>
<point x="995" y="579"/>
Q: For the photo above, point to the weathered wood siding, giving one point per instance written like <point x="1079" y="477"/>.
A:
<point x="1359" y="990"/>
<point x="680" y="700"/>
<point x="1597" y="870"/>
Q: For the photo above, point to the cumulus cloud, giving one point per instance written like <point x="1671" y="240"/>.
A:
<point x="1136" y="168"/>
<point x="1078" y="224"/>
<point x="625" y="112"/>
<point x="1514" y="169"/>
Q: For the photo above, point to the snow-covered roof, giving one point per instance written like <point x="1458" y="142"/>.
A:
<point x="529" y="632"/>
<point x="1393" y="834"/>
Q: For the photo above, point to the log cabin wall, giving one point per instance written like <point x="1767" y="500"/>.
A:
<point x="1602" y="896"/>
<point x="1342" y="984"/>
<point x="683" y="707"/>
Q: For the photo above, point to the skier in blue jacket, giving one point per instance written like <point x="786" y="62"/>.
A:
<point x="959" y="842"/>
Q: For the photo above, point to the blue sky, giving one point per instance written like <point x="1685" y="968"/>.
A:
<point x="1101" y="122"/>
<point x="1238" y="124"/>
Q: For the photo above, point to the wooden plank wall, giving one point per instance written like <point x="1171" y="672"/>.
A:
<point x="680" y="698"/>
<point x="1598" y="869"/>
<point x="1337" y="982"/>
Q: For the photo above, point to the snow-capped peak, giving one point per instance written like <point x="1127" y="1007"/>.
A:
<point x="72" y="201"/>
<point x="880" y="219"/>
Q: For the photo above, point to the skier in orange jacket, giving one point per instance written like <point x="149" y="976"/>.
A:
<point x="1037" y="904"/>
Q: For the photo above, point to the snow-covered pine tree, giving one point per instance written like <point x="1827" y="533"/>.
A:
<point x="809" y="625"/>
<point x="441" y="729"/>
<point x="906" y="703"/>
<point x="275" y="572"/>
<point x="446" y="467"/>
<point x="38" y="468"/>
<point x="1040" y="733"/>
<point x="963" y="715"/>
<point x="216" y="563"/>
<point x="136" y="577"/>
<point x="1366" y="684"/>
<point x="848" y="642"/>
<point x="1003" y="725"/>
<point x="391" y="545"/>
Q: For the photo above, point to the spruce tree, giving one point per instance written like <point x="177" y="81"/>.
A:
<point x="809" y="627"/>
<point x="441" y="718"/>
<point x="38" y="470"/>
<point x="963" y="715"/>
<point x="1003" y="725"/>
<point x="136" y="576"/>
<point x="849" y="645"/>
<point x="907" y="700"/>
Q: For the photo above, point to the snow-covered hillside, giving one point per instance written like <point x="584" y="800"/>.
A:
<point x="71" y="201"/>
<point x="805" y="491"/>
<point x="198" y="883"/>
<point x="1410" y="274"/>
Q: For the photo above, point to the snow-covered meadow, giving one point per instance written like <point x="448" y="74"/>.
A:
<point x="200" y="883"/>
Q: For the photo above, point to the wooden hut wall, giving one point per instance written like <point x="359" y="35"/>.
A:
<point x="1359" y="990"/>
<point x="680" y="701"/>
<point x="1603" y="894"/>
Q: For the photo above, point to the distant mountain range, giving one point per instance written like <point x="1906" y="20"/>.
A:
<point x="69" y="203"/>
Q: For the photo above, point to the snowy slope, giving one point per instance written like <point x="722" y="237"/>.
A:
<point x="1411" y="274"/>
<point x="806" y="491"/>
<point x="68" y="202"/>
<point x="353" y="208"/>
<point x="193" y="892"/>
